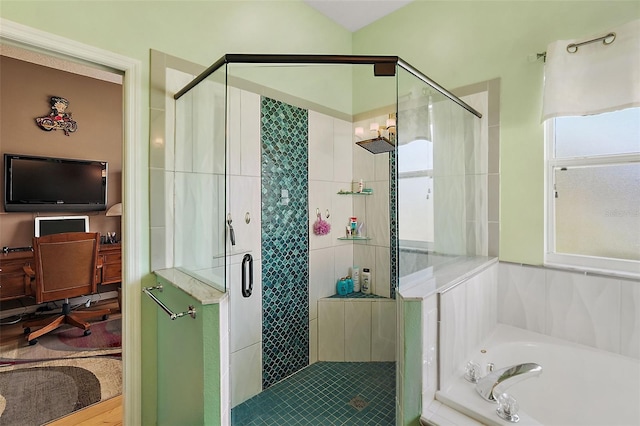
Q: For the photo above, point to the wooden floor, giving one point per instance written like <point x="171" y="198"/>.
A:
<point x="104" y="413"/>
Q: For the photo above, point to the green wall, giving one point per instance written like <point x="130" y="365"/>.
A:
<point x="189" y="376"/>
<point x="457" y="43"/>
<point x="454" y="42"/>
<point x="200" y="32"/>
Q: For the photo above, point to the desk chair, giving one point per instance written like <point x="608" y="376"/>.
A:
<point x="65" y="266"/>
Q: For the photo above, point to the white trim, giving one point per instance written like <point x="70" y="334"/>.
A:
<point x="594" y="265"/>
<point x="582" y="263"/>
<point x="550" y="223"/>
<point x="133" y="177"/>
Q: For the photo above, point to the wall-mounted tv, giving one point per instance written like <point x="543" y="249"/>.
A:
<point x="47" y="184"/>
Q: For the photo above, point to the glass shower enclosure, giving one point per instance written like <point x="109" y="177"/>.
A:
<point x="291" y="171"/>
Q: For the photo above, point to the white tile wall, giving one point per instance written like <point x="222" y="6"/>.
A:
<point x="322" y="281"/>
<point x="343" y="151"/>
<point x="374" y="209"/>
<point x="244" y="202"/>
<point x="630" y="319"/>
<point x="313" y="341"/>
<point x="250" y="156"/>
<point x="244" y="198"/>
<point x="321" y="145"/>
<point x="320" y="200"/>
<point x="584" y="309"/>
<point x="467" y="317"/>
<point x="245" y="312"/>
<point x="381" y="278"/>
<point x="246" y="373"/>
<point x="522" y="294"/>
<point x="383" y="330"/>
<point x="331" y="330"/>
<point x="235" y="118"/>
<point x="602" y="312"/>
<point x="357" y="329"/>
<point x="429" y="349"/>
<point x="208" y="153"/>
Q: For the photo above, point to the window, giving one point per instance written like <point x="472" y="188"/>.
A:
<point x="593" y="191"/>
<point x="415" y="194"/>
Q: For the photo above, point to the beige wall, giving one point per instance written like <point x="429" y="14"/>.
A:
<point x="458" y="43"/>
<point x="95" y="104"/>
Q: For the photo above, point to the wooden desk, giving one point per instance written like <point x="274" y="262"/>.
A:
<point x="15" y="284"/>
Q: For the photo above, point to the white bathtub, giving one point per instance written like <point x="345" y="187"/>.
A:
<point x="579" y="385"/>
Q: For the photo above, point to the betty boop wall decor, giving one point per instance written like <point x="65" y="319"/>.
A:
<point x="58" y="118"/>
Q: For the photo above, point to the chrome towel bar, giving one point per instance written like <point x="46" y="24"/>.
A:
<point x="147" y="290"/>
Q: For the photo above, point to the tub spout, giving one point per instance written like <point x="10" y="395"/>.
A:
<point x="498" y="381"/>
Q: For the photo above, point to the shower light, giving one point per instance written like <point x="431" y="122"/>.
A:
<point x="379" y="143"/>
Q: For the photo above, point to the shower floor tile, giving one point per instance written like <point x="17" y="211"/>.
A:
<point x="325" y="393"/>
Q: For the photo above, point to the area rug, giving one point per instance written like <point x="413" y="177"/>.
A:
<point x="67" y="342"/>
<point x="36" y="393"/>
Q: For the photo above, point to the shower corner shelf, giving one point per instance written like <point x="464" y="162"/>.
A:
<point x="354" y="238"/>
<point x="355" y="193"/>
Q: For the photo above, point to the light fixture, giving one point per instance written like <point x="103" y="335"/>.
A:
<point x="115" y="210"/>
<point x="379" y="143"/>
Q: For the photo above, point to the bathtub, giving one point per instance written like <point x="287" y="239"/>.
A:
<point x="579" y="385"/>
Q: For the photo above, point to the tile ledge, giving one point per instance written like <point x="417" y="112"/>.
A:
<point x="199" y="290"/>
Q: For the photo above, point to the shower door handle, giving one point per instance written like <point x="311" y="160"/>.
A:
<point x="247" y="267"/>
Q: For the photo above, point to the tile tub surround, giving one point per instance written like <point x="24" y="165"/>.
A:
<point x="598" y="311"/>
<point x="434" y="304"/>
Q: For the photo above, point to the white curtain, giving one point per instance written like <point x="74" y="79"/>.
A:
<point x="597" y="78"/>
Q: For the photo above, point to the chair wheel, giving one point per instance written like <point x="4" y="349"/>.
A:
<point x="105" y="317"/>
<point x="27" y="330"/>
<point x="87" y="332"/>
<point x="33" y="342"/>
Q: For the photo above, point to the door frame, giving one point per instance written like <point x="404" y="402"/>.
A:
<point x="132" y="180"/>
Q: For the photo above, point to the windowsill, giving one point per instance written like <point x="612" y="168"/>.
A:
<point x="592" y="271"/>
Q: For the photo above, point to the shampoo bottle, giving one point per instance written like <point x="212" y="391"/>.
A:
<point x="355" y="276"/>
<point x="366" y="281"/>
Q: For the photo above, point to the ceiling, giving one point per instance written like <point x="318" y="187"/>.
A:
<point x="355" y="14"/>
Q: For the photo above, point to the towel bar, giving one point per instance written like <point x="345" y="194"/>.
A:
<point x="147" y="290"/>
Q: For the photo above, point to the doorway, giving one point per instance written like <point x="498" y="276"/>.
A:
<point x="133" y="179"/>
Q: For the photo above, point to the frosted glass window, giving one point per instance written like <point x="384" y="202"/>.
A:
<point x="597" y="211"/>
<point x="415" y="191"/>
<point x="603" y="134"/>
<point x="416" y="156"/>
<point x="415" y="209"/>
<point x="593" y="192"/>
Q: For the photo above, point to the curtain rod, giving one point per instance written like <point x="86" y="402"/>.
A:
<point x="573" y="47"/>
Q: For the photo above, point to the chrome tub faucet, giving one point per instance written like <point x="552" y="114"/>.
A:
<point x="496" y="382"/>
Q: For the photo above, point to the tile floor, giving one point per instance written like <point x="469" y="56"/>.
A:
<point x="326" y="393"/>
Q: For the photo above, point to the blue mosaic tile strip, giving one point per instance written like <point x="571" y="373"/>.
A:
<point x="285" y="252"/>
<point x="393" y="215"/>
<point x="320" y="395"/>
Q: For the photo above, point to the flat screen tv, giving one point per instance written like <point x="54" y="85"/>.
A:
<point x="47" y="184"/>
